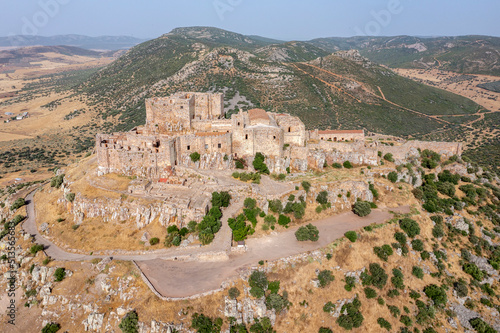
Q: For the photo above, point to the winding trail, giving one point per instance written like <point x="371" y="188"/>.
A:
<point x="173" y="278"/>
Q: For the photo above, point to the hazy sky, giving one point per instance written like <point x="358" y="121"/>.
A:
<point x="283" y="19"/>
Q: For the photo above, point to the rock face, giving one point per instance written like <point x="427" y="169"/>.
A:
<point x="246" y="310"/>
<point x="94" y="322"/>
<point x="118" y="210"/>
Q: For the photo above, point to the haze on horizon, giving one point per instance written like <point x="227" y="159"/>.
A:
<point x="280" y="19"/>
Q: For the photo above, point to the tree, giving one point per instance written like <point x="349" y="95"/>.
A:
<point x="351" y="235"/>
<point x="221" y="199"/>
<point x="18" y="204"/>
<point x="283" y="220"/>
<point x="325" y="277"/>
<point x="388" y="157"/>
<point x="322" y="198"/>
<point x="437" y="294"/>
<point x="258" y="279"/>
<point x="51" y="328"/>
<point x="234" y="293"/>
<point x="36" y="248"/>
<point x="195" y="157"/>
<point x="393" y="176"/>
<point x="154" y="241"/>
<point x="250" y="203"/>
<point x="60" y="274"/>
<point x="347" y="165"/>
<point x="275" y="206"/>
<point x="306" y="185"/>
<point x="410" y="227"/>
<point x="325" y="330"/>
<point x="309" y="232"/>
<point x="130" y="323"/>
<point x="204" y="324"/>
<point x="362" y="208"/>
<point x="70" y="197"/>
<point x="259" y="165"/>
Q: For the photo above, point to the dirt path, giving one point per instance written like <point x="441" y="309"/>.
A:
<point x="184" y="279"/>
<point x="435" y="118"/>
<point x="172" y="278"/>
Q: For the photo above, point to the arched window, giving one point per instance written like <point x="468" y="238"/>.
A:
<point x="246" y="136"/>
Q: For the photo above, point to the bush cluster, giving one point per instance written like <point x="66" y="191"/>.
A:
<point x="307" y="233"/>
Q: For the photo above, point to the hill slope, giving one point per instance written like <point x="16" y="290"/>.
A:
<point x="464" y="54"/>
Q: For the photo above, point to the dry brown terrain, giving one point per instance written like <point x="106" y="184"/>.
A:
<point x="460" y="84"/>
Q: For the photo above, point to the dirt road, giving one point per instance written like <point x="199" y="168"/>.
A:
<point x="172" y="278"/>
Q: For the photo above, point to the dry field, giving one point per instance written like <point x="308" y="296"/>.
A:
<point x="461" y="84"/>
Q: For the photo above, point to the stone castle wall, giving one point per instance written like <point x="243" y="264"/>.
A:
<point x="336" y="136"/>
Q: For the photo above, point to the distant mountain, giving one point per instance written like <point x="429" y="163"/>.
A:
<point x="463" y="54"/>
<point x="85" y="42"/>
<point x="343" y="90"/>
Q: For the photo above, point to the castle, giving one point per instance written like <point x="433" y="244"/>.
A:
<point x="187" y="123"/>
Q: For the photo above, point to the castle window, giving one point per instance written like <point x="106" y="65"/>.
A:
<point x="274" y="137"/>
<point x="289" y="129"/>
<point x="206" y="146"/>
<point x="219" y="146"/>
<point x="246" y="136"/>
<point x="238" y="123"/>
<point x="182" y="106"/>
<point x="188" y="147"/>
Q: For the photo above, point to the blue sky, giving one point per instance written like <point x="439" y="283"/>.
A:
<point x="282" y="19"/>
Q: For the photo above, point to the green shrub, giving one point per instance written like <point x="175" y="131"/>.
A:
<point x="60" y="274"/>
<point x="337" y="165"/>
<point x="322" y="198"/>
<point x="36" y="248"/>
<point x="259" y="165"/>
<point x="204" y="324"/>
<point x="383" y="252"/>
<point x="325" y="330"/>
<point x="362" y="208"/>
<point x="474" y="271"/>
<point x="195" y="157"/>
<point x="154" y="241"/>
<point x="437" y="231"/>
<point x="380" y="301"/>
<point x="257" y="292"/>
<point x="283" y="220"/>
<point x="388" y="157"/>
<point x="437" y="294"/>
<point x="414" y="295"/>
<point x="276" y="302"/>
<point x="461" y="288"/>
<point x="370" y="293"/>
<point x="351" y="317"/>
<point x="275" y="206"/>
<point x="425" y="255"/>
<point x="395" y="312"/>
<point x="417" y="245"/>
<point x="221" y="199"/>
<point x="57" y="181"/>
<point x="376" y="276"/>
<point x="328" y="307"/>
<point x="250" y="203"/>
<point x="418" y="272"/>
<point x="351" y="235"/>
<point x="481" y="326"/>
<point x="401" y="238"/>
<point x="70" y="197"/>
<point x="51" y="328"/>
<point x="309" y="232"/>
<point x="384" y="324"/>
<point x="258" y="279"/>
<point x="347" y="165"/>
<point x="306" y="186"/>
<point x="405" y="320"/>
<point x="350" y="282"/>
<point x="397" y="279"/>
<point x="393" y="176"/>
<point x="410" y="227"/>
<point x="325" y="277"/>
<point x="18" y="204"/>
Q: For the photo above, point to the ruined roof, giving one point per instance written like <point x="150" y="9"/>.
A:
<point x="258" y="114"/>
<point x="341" y="132"/>
<point x="210" y="133"/>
